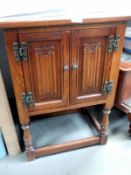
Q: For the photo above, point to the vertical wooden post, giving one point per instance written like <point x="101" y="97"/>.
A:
<point x="29" y="149"/>
<point x="104" y="126"/>
<point x="6" y="123"/>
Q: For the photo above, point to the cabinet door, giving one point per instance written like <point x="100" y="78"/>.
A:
<point x="90" y="64"/>
<point x="44" y="70"/>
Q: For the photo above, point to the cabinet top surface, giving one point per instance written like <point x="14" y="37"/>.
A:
<point x="41" y="13"/>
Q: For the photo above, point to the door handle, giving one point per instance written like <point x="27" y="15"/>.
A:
<point x="74" y="66"/>
<point x="66" y="68"/>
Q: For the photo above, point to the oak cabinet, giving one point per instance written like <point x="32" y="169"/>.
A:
<point x="61" y="68"/>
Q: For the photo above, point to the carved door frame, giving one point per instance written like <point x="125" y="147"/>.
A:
<point x="63" y="42"/>
<point x="84" y="43"/>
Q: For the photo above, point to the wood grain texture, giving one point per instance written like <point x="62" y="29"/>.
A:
<point x="44" y="71"/>
<point x="123" y="87"/>
<point x="68" y="28"/>
<point x="67" y="146"/>
<point x="89" y="52"/>
<point x="16" y="74"/>
<point x="49" y="50"/>
<point x="123" y="107"/>
<point x="91" y="68"/>
<point x="114" y="73"/>
<point x="123" y="93"/>
<point x="34" y="23"/>
<point x="104" y="125"/>
<point x="43" y="61"/>
<point x="90" y="102"/>
<point x="27" y="137"/>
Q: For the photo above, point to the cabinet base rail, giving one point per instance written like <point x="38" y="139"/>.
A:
<point x="101" y="138"/>
<point x="66" y="146"/>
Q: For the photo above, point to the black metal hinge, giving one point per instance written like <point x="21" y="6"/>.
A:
<point x="20" y="51"/>
<point x="27" y="99"/>
<point x="107" y="88"/>
<point x="113" y="43"/>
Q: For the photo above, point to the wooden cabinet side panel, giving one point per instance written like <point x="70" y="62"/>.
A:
<point x="123" y="87"/>
<point x="16" y="74"/>
<point x="127" y="92"/>
<point x="120" y="89"/>
<point x="115" y="65"/>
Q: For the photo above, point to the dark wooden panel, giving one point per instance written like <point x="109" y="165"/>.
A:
<point x="123" y="87"/>
<point x="89" y="52"/>
<point x="44" y="71"/>
<point x="91" y="62"/>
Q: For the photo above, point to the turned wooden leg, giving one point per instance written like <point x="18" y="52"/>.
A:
<point x="129" y="118"/>
<point x="104" y="126"/>
<point x="30" y="152"/>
